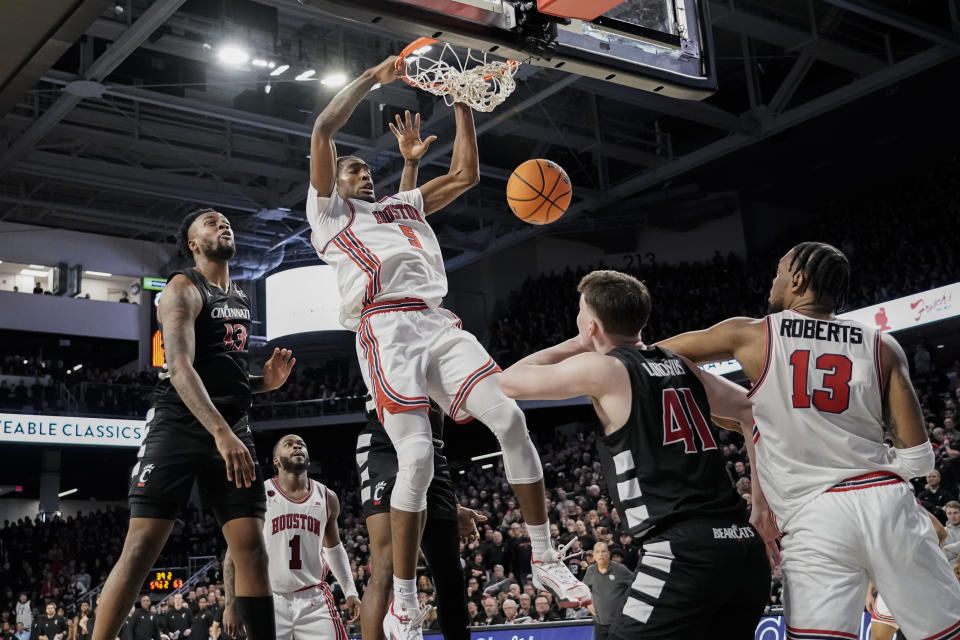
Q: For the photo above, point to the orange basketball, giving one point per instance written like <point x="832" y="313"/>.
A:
<point x="539" y="191"/>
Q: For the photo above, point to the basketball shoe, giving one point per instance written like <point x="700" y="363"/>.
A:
<point x="550" y="574"/>
<point x="403" y="624"/>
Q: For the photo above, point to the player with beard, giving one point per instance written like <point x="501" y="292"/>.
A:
<point x="303" y="543"/>
<point x="198" y="427"/>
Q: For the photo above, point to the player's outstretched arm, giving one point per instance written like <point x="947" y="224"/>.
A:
<point x="901" y="412"/>
<point x="276" y="370"/>
<point x="323" y="151"/>
<point x="566" y="370"/>
<point x="715" y="344"/>
<point x="177" y="311"/>
<point x="464" y="170"/>
<point x="337" y="559"/>
<point x="412" y="148"/>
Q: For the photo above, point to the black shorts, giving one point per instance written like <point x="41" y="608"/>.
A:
<point x="377" y="466"/>
<point x="697" y="579"/>
<point x="176" y="451"/>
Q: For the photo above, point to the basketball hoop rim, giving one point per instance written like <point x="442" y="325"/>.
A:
<point x="419" y="43"/>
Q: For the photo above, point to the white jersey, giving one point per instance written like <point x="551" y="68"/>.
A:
<point x="293" y="532"/>
<point x="381" y="251"/>
<point x="818" y="409"/>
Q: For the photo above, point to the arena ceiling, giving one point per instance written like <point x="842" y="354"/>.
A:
<point x="115" y="117"/>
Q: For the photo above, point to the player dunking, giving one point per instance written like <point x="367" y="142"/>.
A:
<point x="197" y="425"/>
<point x="702" y="570"/>
<point x="392" y="281"/>
<point x="303" y="542"/>
<point x="824" y="389"/>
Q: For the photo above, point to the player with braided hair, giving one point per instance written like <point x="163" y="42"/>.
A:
<point x="824" y="391"/>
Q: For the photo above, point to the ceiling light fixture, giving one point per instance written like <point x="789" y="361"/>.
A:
<point x="34" y="272"/>
<point x="306" y="75"/>
<point x="267" y="89"/>
<point x="259" y="62"/>
<point x="38" y="266"/>
<point x="279" y="69"/>
<point x="233" y="56"/>
<point x="334" y="80"/>
<point x="98" y="274"/>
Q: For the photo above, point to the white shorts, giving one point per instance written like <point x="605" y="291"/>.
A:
<point x="840" y="540"/>
<point x="881" y="613"/>
<point x="309" y="614"/>
<point x="410" y="353"/>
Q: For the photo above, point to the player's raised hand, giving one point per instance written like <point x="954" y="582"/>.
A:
<point x="277" y="369"/>
<point x="353" y="608"/>
<point x="236" y="456"/>
<point x="231" y="621"/>
<point x="407" y="131"/>
<point x="467" y="520"/>
<point x="387" y="71"/>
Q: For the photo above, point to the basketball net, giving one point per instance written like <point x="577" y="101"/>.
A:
<point x="471" y="78"/>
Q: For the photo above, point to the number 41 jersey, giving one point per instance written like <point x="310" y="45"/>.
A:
<point x="663" y="465"/>
<point x="818" y="407"/>
<point x="293" y="532"/>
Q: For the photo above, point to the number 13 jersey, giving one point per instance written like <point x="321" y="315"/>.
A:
<point x="293" y="532"/>
<point x="818" y="408"/>
<point x="381" y="251"/>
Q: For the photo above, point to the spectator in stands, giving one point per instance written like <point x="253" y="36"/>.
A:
<point x="37" y="288"/>
<point x="25" y="612"/>
<point x="144" y="625"/>
<point x="525" y="606"/>
<point x="473" y="613"/>
<point x="83" y="622"/>
<point x="21" y="633"/>
<point x="490" y="613"/>
<point x="934" y="493"/>
<point x="202" y="621"/>
<point x="542" y="612"/>
<point x="124" y="297"/>
<point x="951" y="546"/>
<point x="51" y="626"/>
<point x="497" y="583"/>
<point x="509" y="611"/>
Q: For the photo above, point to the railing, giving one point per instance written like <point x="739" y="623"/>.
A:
<point x="307" y="408"/>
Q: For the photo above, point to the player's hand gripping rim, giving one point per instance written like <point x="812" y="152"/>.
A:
<point x="239" y="462"/>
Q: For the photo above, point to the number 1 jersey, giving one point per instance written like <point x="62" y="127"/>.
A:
<point x="293" y="532"/>
<point x="381" y="251"/>
<point x="818" y="408"/>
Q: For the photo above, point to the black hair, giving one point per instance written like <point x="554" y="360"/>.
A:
<point x="183" y="239"/>
<point x="343" y="159"/>
<point x="826" y="269"/>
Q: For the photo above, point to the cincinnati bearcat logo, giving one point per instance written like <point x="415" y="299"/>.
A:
<point x="144" y="474"/>
<point x="378" y="492"/>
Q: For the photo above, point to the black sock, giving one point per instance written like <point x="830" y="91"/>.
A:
<point x="257" y="616"/>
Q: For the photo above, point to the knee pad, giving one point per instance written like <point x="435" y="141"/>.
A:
<point x="521" y="462"/>
<point x="414" y="472"/>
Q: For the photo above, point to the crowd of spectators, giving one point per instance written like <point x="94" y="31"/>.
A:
<point x="897" y="245"/>
<point x="55" y="387"/>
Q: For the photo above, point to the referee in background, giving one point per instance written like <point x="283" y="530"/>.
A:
<point x="609" y="584"/>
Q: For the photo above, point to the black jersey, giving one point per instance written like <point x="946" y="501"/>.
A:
<point x="221" y="358"/>
<point x="663" y="465"/>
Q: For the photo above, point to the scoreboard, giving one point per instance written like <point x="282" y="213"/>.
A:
<point x="165" y="580"/>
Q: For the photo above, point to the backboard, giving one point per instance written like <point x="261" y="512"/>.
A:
<point x="662" y="46"/>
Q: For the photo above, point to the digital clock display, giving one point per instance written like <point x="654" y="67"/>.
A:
<point x="163" y="580"/>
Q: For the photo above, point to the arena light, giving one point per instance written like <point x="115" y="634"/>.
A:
<point x="259" y="62"/>
<point x="78" y="367"/>
<point x="68" y="492"/>
<point x="334" y="80"/>
<point x="487" y="466"/>
<point x="306" y="75"/>
<point x="38" y="266"/>
<point x="98" y="274"/>
<point x="34" y="272"/>
<point x="279" y="70"/>
<point x="233" y="55"/>
<point x="486" y="455"/>
<point x="267" y="89"/>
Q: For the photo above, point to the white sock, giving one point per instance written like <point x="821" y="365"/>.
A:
<point x="539" y="538"/>
<point x="405" y="593"/>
